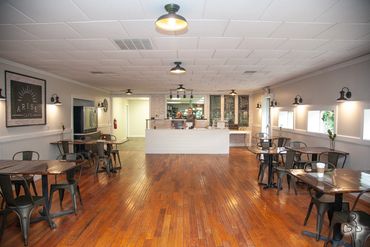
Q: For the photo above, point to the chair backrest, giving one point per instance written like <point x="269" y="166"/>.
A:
<point x="282" y="141"/>
<point x="296" y="144"/>
<point x="261" y="135"/>
<point x="100" y="147"/>
<point x="312" y="166"/>
<point x="358" y="197"/>
<point x="289" y="159"/>
<point x="331" y="157"/>
<point x="7" y="190"/>
<point x="107" y="137"/>
<point x="26" y="155"/>
<point x="65" y="147"/>
<point x="73" y="157"/>
<point x="265" y="145"/>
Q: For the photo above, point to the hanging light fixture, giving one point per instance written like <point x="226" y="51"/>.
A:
<point x="191" y="94"/>
<point x="345" y="94"/>
<point x="1" y="96"/>
<point x="180" y="88"/>
<point x="298" y="100"/>
<point x="258" y="106"/>
<point x="178" y="69"/>
<point x="273" y="103"/>
<point x="171" y="21"/>
<point x="128" y="92"/>
<point x="232" y="93"/>
<point x="55" y="99"/>
<point x="170" y="94"/>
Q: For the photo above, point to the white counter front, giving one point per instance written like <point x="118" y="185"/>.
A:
<point x="183" y="141"/>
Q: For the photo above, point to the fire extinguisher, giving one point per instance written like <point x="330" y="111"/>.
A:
<point x="115" y="123"/>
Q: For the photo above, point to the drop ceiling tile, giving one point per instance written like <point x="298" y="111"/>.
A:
<point x="110" y="9"/>
<point x="292" y="10"/>
<point x="159" y="54"/>
<point x="345" y="45"/>
<point x="300" y="30"/>
<point x="267" y="53"/>
<point x="49" y="11"/>
<point x="206" y="27"/>
<point x="140" y="28"/>
<point x="215" y="61"/>
<point x="347" y="31"/>
<point x="251" y="29"/>
<point x="231" y="53"/>
<point x="242" y="61"/>
<point x="169" y="43"/>
<point x="99" y="29"/>
<point x="190" y="9"/>
<point x="218" y="42"/>
<point x="92" y="44"/>
<point x="302" y="44"/>
<point x="195" y="53"/>
<point x="302" y="54"/>
<point x="144" y="61"/>
<point x="10" y="15"/>
<point x="12" y="32"/>
<point x="237" y="9"/>
<point x="51" y="45"/>
<point x="222" y="68"/>
<point x="121" y="54"/>
<point x="261" y="44"/>
<point x="347" y="11"/>
<point x="87" y="55"/>
<point x="50" y="30"/>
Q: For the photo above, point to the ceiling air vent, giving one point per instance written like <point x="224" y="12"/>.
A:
<point x="133" y="44"/>
<point x="250" y="71"/>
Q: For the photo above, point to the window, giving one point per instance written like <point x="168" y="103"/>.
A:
<point x="320" y="121"/>
<point x="366" y="134"/>
<point x="286" y="119"/>
<point x="215" y="108"/>
<point x="243" y="108"/>
<point x="229" y="109"/>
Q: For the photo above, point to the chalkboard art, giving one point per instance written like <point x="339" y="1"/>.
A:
<point x="25" y="104"/>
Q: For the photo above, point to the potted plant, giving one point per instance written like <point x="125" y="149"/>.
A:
<point x="332" y="137"/>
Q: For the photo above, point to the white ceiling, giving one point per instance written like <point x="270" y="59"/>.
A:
<point x="279" y="39"/>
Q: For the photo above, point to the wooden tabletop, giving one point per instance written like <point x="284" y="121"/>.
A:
<point x="336" y="181"/>
<point x="315" y="150"/>
<point x="35" y="167"/>
<point x="259" y="150"/>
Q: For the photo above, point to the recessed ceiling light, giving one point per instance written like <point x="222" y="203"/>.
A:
<point x="171" y="21"/>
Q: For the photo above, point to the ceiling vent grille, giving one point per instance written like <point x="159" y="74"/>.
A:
<point x="250" y="71"/>
<point x="134" y="44"/>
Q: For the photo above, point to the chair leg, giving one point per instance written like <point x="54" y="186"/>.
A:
<point x="34" y="187"/>
<point x="3" y="224"/>
<point x="24" y="216"/>
<point x="79" y="194"/>
<point x="308" y="213"/>
<point x="61" y="196"/>
<point x="119" y="159"/>
<point x="51" y="223"/>
<point x="17" y="189"/>
<point x="73" y="195"/>
<point x="279" y="187"/>
<point x="97" y="166"/>
<point x="321" y="210"/>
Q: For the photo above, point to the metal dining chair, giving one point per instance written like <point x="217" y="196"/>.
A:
<point x="71" y="184"/>
<point x="104" y="157"/>
<point x="114" y="151"/>
<point x="282" y="141"/>
<point x="323" y="202"/>
<point x="22" y="205"/>
<point x="283" y="171"/>
<point x="16" y="181"/>
<point x="333" y="157"/>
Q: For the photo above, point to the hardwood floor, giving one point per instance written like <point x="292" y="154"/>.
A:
<point x="177" y="200"/>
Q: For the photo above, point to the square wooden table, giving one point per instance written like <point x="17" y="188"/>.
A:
<point x="37" y="167"/>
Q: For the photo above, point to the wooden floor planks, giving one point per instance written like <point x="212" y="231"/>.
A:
<point x="177" y="200"/>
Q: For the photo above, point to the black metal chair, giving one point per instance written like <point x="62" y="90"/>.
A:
<point x="298" y="158"/>
<point x="3" y="213"/>
<point x="104" y="157"/>
<point x="333" y="157"/>
<point x="354" y="222"/>
<point x="71" y="184"/>
<point x="18" y="182"/>
<point x="282" y="171"/>
<point x="114" y="151"/>
<point x="282" y="141"/>
<point x="323" y="202"/>
<point x="22" y="205"/>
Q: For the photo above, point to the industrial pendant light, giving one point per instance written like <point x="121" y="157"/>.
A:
<point x="171" y="21"/>
<point x="178" y="69"/>
<point x="180" y="88"/>
<point x="233" y="93"/>
<point x="128" y="92"/>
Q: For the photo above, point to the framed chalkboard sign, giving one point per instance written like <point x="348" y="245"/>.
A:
<point x="25" y="100"/>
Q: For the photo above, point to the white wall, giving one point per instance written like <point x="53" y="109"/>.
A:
<point x="320" y="91"/>
<point x="38" y="137"/>
<point x="138" y="113"/>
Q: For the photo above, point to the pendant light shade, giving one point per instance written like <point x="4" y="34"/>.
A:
<point x="171" y="21"/>
<point x="180" y="88"/>
<point x="128" y="92"/>
<point x="178" y="69"/>
<point x="233" y="93"/>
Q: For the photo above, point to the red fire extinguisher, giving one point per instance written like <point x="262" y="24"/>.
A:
<point x="115" y="123"/>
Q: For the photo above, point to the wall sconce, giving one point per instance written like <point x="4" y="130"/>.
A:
<point x="1" y="96"/>
<point x="128" y="92"/>
<point x="258" y="106"/>
<point x="55" y="99"/>
<point x="345" y="94"/>
<point x="298" y="100"/>
<point x="273" y="103"/>
<point x="232" y="93"/>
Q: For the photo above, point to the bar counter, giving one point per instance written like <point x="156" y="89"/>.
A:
<point x="187" y="141"/>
